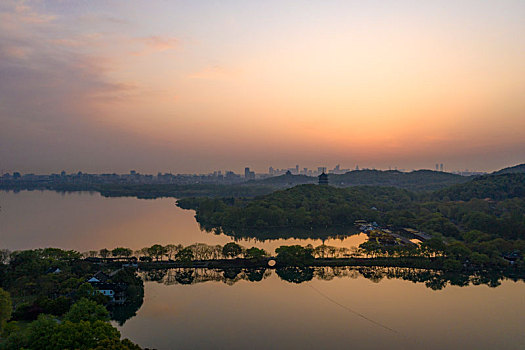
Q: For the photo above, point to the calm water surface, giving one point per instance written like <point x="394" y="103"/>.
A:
<point x="341" y="313"/>
<point x="88" y="221"/>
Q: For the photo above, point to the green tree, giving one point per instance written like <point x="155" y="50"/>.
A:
<point x="294" y="255"/>
<point x="172" y="249"/>
<point x="83" y="335"/>
<point x="85" y="290"/>
<point x="231" y="250"/>
<point x="459" y="251"/>
<point x="115" y="344"/>
<point x="5" y="308"/>
<point x="47" y="334"/>
<point x="185" y="254"/>
<point x="255" y="253"/>
<point x="156" y="251"/>
<point x="104" y="253"/>
<point x="86" y="310"/>
<point x="433" y="246"/>
<point x="41" y="331"/>
<point x="480" y="260"/>
<point x="451" y="264"/>
<point x="121" y="252"/>
<point x="371" y="247"/>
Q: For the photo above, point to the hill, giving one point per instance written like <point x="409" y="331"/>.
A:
<point x="520" y="168"/>
<point x="495" y="187"/>
<point x="419" y="180"/>
<point x="284" y="181"/>
<point x="301" y="207"/>
<point x="485" y="208"/>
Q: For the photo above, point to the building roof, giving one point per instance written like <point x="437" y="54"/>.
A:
<point x="116" y="287"/>
<point x="99" y="277"/>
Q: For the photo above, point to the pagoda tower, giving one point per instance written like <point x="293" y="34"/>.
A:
<point x="323" y="179"/>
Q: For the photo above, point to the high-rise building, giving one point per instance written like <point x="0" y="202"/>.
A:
<point x="437" y="167"/>
<point x="249" y="175"/>
<point x="441" y="167"/>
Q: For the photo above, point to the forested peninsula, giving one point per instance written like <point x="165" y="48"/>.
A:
<point x="484" y="216"/>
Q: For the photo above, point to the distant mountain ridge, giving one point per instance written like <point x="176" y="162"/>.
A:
<point x="418" y="180"/>
<point x="520" y="168"/>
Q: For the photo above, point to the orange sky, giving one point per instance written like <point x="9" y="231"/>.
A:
<point x="185" y="87"/>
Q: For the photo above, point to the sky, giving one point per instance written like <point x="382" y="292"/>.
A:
<point x="197" y="86"/>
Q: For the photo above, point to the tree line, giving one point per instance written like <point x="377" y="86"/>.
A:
<point x="178" y="252"/>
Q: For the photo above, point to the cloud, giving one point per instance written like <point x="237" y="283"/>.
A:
<point x="65" y="91"/>
<point x="16" y="12"/>
<point x="50" y="94"/>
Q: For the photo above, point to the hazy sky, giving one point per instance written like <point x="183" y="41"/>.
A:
<point x="194" y="86"/>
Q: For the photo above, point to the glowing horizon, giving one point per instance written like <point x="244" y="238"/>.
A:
<point x="195" y="87"/>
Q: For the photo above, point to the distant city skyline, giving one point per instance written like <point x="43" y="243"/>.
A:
<point x="250" y="173"/>
<point x="195" y="86"/>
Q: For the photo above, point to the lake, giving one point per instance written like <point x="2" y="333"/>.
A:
<point x="341" y="313"/>
<point x="228" y="310"/>
<point x="88" y="221"/>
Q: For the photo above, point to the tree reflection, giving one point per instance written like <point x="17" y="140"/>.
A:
<point x="122" y="313"/>
<point x="433" y="279"/>
<point x="278" y="233"/>
<point x="156" y="275"/>
<point x="187" y="276"/>
<point x="256" y="275"/>
<point x="295" y="274"/>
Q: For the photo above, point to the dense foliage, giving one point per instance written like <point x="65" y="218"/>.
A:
<point x="314" y="207"/>
<point x="5" y="308"/>
<point x="305" y="206"/>
<point x="520" y="168"/>
<point x="486" y="216"/>
<point x="85" y="326"/>
<point x="52" y="282"/>
<point x="495" y="187"/>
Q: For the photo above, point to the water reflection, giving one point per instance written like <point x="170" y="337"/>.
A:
<point x="341" y="307"/>
<point x="124" y="312"/>
<point x="86" y="221"/>
<point x="435" y="280"/>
